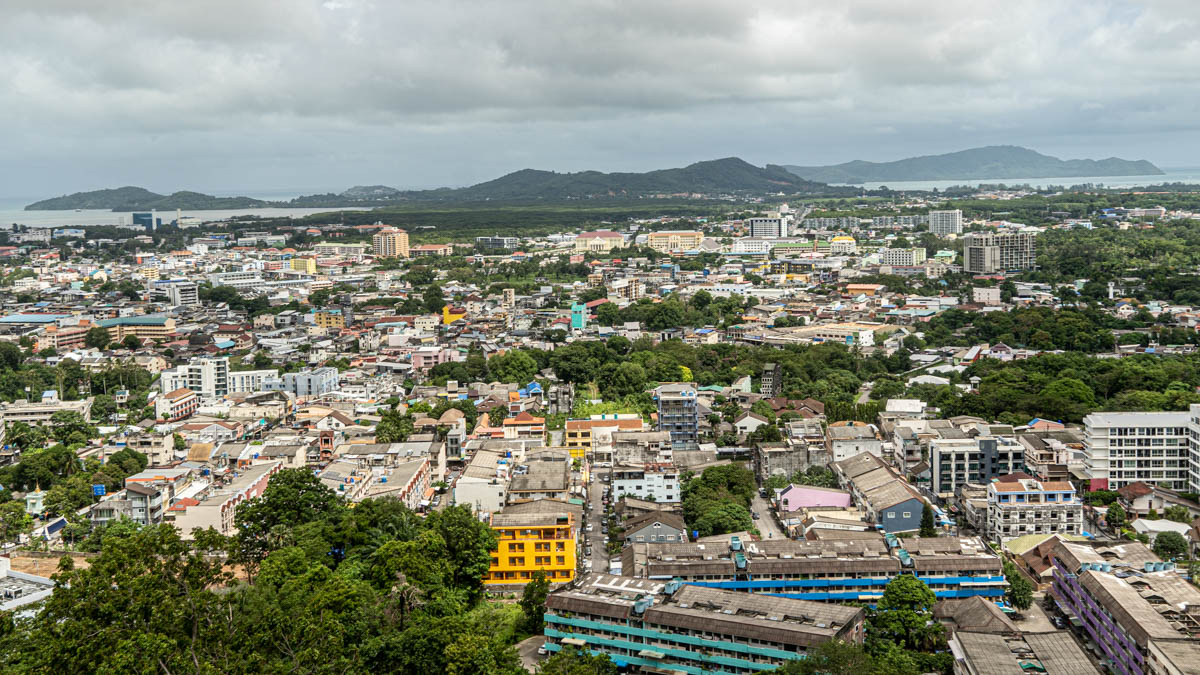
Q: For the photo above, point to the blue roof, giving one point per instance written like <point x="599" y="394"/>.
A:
<point x="225" y="344"/>
<point x="133" y="321"/>
<point x="33" y="318"/>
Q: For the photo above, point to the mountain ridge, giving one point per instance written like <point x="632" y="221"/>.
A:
<point x="729" y="175"/>
<point x="988" y="162"/>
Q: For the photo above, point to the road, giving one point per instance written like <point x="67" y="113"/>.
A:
<point x="595" y="518"/>
<point x="766" y="523"/>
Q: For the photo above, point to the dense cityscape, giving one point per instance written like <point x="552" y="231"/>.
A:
<point x="898" y="434"/>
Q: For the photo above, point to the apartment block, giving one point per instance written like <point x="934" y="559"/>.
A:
<point x="770" y="227"/>
<point x="670" y="627"/>
<point x="943" y="223"/>
<point x="1125" y="447"/>
<point x="958" y="461"/>
<point x="390" y="243"/>
<point x="211" y="377"/>
<point x="902" y="257"/>
<point x="529" y="542"/>
<point x="678" y="411"/>
<point x="992" y="252"/>
<point x="1018" y="507"/>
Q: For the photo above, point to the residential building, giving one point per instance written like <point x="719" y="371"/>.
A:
<point x="331" y="319"/>
<point x="655" y="481"/>
<point x="769" y="227"/>
<point x="304" y="263"/>
<point x="992" y="252"/>
<point x="579" y="316"/>
<point x="220" y="506"/>
<point x="309" y="382"/>
<point x="141" y="503"/>
<point x="583" y="436"/>
<point x="1020" y="506"/>
<point x="943" y="223"/>
<point x="1012" y="651"/>
<point x="390" y="243"/>
<point x="40" y="412"/>
<point x="142" y="327"/>
<point x="845" y="440"/>
<point x="957" y="461"/>
<point x="674" y="241"/>
<point x="159" y="448"/>
<point x="341" y="250"/>
<point x="882" y="495"/>
<point x="431" y="250"/>
<point x="211" y="377"/>
<point x="1143" y="617"/>
<point x="176" y="405"/>
<point x="845" y="566"/>
<point x="902" y="257"/>
<point x="772" y="380"/>
<point x="843" y="246"/>
<point x="656" y="526"/>
<point x="1125" y="447"/>
<point x="528" y="542"/>
<point x="406" y="481"/>
<point x="671" y="627"/>
<point x="505" y="243"/>
<point x="524" y="426"/>
<point x="601" y="241"/>
<point x="678" y="412"/>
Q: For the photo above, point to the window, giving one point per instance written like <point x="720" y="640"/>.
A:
<point x="908" y="514"/>
<point x="891" y="514"/>
<point x="516" y="562"/>
<point x="561" y="560"/>
<point x="516" y="547"/>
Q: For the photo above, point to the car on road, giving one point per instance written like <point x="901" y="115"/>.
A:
<point x="762" y="492"/>
<point x="542" y="650"/>
<point x="754" y="515"/>
<point x="587" y="551"/>
<point x="589" y="527"/>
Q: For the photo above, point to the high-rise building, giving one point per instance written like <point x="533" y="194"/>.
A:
<point x="211" y="377"/>
<point x="902" y="257"/>
<point x="992" y="252"/>
<point x="678" y="412"/>
<point x="772" y="380"/>
<point x="307" y="383"/>
<point x="945" y="222"/>
<point x="579" y="316"/>
<point x="1126" y="447"/>
<point x="390" y="243"/>
<point x="770" y="227"/>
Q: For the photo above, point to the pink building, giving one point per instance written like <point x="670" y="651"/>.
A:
<point x="796" y="497"/>
<point x="428" y="357"/>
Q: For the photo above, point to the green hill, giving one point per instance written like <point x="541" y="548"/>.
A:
<point x="993" y="162"/>
<point x="141" y="199"/>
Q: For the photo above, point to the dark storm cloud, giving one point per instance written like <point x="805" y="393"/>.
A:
<point x="271" y="93"/>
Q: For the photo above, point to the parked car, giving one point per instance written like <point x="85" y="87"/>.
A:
<point x="754" y="515"/>
<point x="762" y="492"/>
<point x="589" y="527"/>
<point x="542" y="651"/>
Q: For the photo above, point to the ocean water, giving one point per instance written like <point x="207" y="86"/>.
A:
<point x="14" y="214"/>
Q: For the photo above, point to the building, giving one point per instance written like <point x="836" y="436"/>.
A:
<point x="1024" y="506"/>
<point x="40" y="412"/>
<point x="846" y="566"/>
<point x="309" y="382"/>
<point x="432" y="250"/>
<point x="958" y="459"/>
<point x="329" y="319"/>
<point x="600" y="241"/>
<point x="176" y="405"/>
<point x="219" y="508"/>
<point x="502" y="243"/>
<point x="1141" y="614"/>
<point x="902" y="257"/>
<point x="340" y="250"/>
<point x="142" y="327"/>
<point x="772" y="380"/>
<point x="656" y="527"/>
<point x="843" y="245"/>
<point x="658" y="482"/>
<point x="529" y="542"/>
<point x="992" y="252"/>
<point x="304" y="263"/>
<point x="847" y="440"/>
<point x="883" y="496"/>
<point x="147" y="221"/>
<point x="407" y="482"/>
<point x="850" y="334"/>
<point x="673" y="241"/>
<point x="579" y="316"/>
<point x="211" y="377"/>
<point x="582" y="436"/>
<point x="770" y="227"/>
<point x="678" y="411"/>
<point x="943" y="223"/>
<point x="159" y="448"/>
<point x="1013" y="652"/>
<point x="665" y="626"/>
<point x="1125" y="447"/>
<point x="140" y="502"/>
<point x="390" y="243"/>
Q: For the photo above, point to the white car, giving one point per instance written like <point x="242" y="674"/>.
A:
<point x="542" y="650"/>
<point x="589" y="527"/>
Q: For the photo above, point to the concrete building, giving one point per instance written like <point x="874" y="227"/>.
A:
<point x="958" y="461"/>
<point x="600" y="241"/>
<point x="142" y="327"/>
<point x="211" y="377"/>
<point x="770" y="227"/>
<point x="176" y="405"/>
<point x="40" y="412"/>
<point x="529" y="542"/>
<point x="671" y="627"/>
<point x="1019" y="507"/>
<point x="772" y="380"/>
<point x="992" y="252"/>
<point x="678" y="411"/>
<point x="390" y="243"/>
<point x="673" y="241"/>
<point x="499" y="243"/>
<point x="309" y="382"/>
<point x="883" y="496"/>
<point x="846" y="441"/>
<point x="943" y="223"/>
<point x="657" y="482"/>
<point x="902" y="257"/>
<point x="1125" y="447"/>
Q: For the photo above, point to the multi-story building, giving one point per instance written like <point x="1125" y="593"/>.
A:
<point x="40" y="412"/>
<point x="341" y="250"/>
<point x="63" y="338"/>
<point x="848" y="567"/>
<point x="141" y="503"/>
<point x="210" y="377"/>
<point x="958" y="461"/>
<point x="1024" y="506"/>
<point x="843" y="245"/>
<point x="845" y="440"/>
<point x="331" y="319"/>
<point x="655" y="481"/>
<point x="431" y="250"/>
<point x="902" y="257"/>
<point x="1193" y="465"/>
<point x="176" y="405"/>
<point x="770" y="227"/>
<point x="309" y="382"/>
<point x="528" y="542"/>
<point x="1125" y="447"/>
<point x="942" y="223"/>
<point x="582" y="436"/>
<point x="1135" y="608"/>
<point x="142" y="327"/>
<point x="992" y="252"/>
<point x="503" y="243"/>
<point x="880" y="493"/>
<point x="678" y="411"/>
<point x="669" y="627"/>
<point x="600" y="241"/>
<point x="672" y="241"/>
<point x="304" y="263"/>
<point x="772" y="380"/>
<point x="159" y="448"/>
<point x="390" y="243"/>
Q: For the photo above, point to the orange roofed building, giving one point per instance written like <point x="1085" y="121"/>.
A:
<point x="524" y="426"/>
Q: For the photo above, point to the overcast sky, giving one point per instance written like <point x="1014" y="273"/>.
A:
<point x="302" y="95"/>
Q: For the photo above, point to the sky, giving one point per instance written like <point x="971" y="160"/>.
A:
<point x="271" y="97"/>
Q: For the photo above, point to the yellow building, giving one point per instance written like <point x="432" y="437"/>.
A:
<point x="529" y="542"/>
<point x="390" y="243"/>
<point x="306" y="265"/>
<point x="580" y="435"/>
<point x="669" y="241"/>
<point x="329" y="318"/>
<point x="452" y="314"/>
<point x="144" y="327"/>
<point x="601" y="241"/>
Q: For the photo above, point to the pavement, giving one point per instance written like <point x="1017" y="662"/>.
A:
<point x="766" y="522"/>
<point x="1034" y="619"/>
<point x="527" y="650"/>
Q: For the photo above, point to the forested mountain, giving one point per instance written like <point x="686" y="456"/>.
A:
<point x="997" y="161"/>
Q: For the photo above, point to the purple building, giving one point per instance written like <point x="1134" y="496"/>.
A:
<point x="795" y="497"/>
<point x="1128" y="616"/>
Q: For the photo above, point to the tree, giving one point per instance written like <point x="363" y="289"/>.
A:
<point x="533" y="602"/>
<point x="293" y="497"/>
<point x="10" y="356"/>
<point x="131" y="342"/>
<point x="473" y="654"/>
<point x="834" y="657"/>
<point x="497" y="415"/>
<point x="928" y="528"/>
<point x="393" y="427"/>
<point x="179" y="443"/>
<point x="96" y="338"/>
<point x="515" y="367"/>
<point x="1115" y="516"/>
<point x="14" y="521"/>
<point x="572" y="661"/>
<point x="433" y="299"/>
<point x="1178" y="514"/>
<point x="904" y="617"/>
<point x="1169" y="545"/>
<point x="70" y="427"/>
<point x="469" y="542"/>
<point x="1020" y="591"/>
<point x="909" y="593"/>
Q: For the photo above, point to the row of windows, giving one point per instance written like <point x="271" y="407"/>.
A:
<point x="519" y="547"/>
<point x="519" y="561"/>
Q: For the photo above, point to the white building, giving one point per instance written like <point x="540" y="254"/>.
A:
<point x="942" y="223"/>
<point x="771" y="227"/>
<point x="1125" y="447"/>
<point x="902" y="257"/>
<point x="1019" y="507"/>
<point x="752" y="246"/>
<point x="661" y="484"/>
<point x="211" y="377"/>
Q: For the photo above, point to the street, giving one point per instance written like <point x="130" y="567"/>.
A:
<point x="595" y="538"/>
<point x="766" y="523"/>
